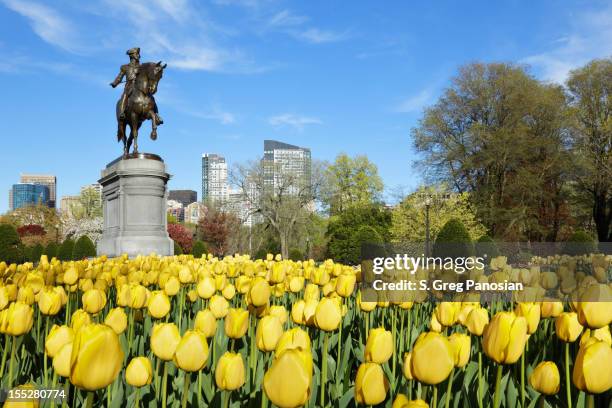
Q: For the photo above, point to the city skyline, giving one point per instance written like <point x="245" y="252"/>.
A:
<point x="337" y="80"/>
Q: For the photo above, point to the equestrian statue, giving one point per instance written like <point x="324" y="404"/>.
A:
<point x="137" y="103"/>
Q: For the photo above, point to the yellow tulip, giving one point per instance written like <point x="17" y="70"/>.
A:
<point x="236" y="323"/>
<point x="219" y="306"/>
<point x="432" y="358"/>
<point x="531" y="312"/>
<point x="567" y="327"/>
<point x="21" y="402"/>
<point x="311" y="292"/>
<point x="371" y="384"/>
<point x="461" y="348"/>
<point x="139" y="372"/>
<point x="407" y="366"/>
<point x="206" y="323"/>
<point x="379" y="347"/>
<point x="229" y="374"/>
<point x="592" y="372"/>
<point x="551" y="309"/>
<point x="602" y="334"/>
<point x="19" y="317"/>
<point x="345" y="284"/>
<point x="280" y="312"/>
<point x="61" y="361"/>
<point x="192" y="351"/>
<point x="117" y="320"/>
<point x="476" y="320"/>
<point x="49" y="302"/>
<point x="206" y="287"/>
<point x="94" y="300"/>
<point x="71" y="276"/>
<point x="79" y="319"/>
<point x="504" y="338"/>
<point x="545" y="378"/>
<point x="96" y="357"/>
<point x="297" y="312"/>
<point x="594" y="314"/>
<point x="172" y="286"/>
<point x="295" y="338"/>
<point x="365" y="306"/>
<point x="229" y="291"/>
<point x="4" y="297"/>
<point x="288" y="380"/>
<point x="260" y="291"/>
<point x="137" y="296"/>
<point x="447" y="313"/>
<point x="58" y="336"/>
<point x="159" y="304"/>
<point x="401" y="401"/>
<point x="434" y="324"/>
<point x="328" y="314"/>
<point x="296" y="283"/>
<point x="165" y="337"/>
<point x="269" y="331"/>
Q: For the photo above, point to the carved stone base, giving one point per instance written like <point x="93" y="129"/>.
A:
<point x="134" y="198"/>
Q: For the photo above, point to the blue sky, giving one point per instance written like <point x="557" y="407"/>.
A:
<point x="334" y="76"/>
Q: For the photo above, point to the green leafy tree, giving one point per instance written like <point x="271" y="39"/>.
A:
<point x="88" y="206"/>
<point x="501" y="135"/>
<point x="485" y="245"/>
<point x="51" y="250"/>
<point x="296" y="255"/>
<point x="11" y="250"/>
<point x="350" y="181"/>
<point x="344" y="244"/>
<point x="199" y="249"/>
<point x="409" y="216"/>
<point x="83" y="248"/>
<point x="453" y="241"/>
<point x="65" y="250"/>
<point x="590" y="94"/>
<point x="580" y="243"/>
<point x="35" y="252"/>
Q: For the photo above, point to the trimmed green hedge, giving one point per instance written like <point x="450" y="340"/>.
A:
<point x="83" y="248"/>
<point x="11" y="250"/>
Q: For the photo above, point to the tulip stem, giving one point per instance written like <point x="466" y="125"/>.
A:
<point x="324" y="368"/>
<point x="7" y="339"/>
<point x="434" y="398"/>
<point x="45" y="351"/>
<point x="523" y="379"/>
<point x="568" y="390"/>
<point x="137" y="398"/>
<point x="89" y="400"/>
<point x="590" y="401"/>
<point x="480" y="396"/>
<point x="497" y="386"/>
<point x="449" y="388"/>
<point x="226" y="399"/>
<point x="186" y="384"/>
<point x="13" y="350"/>
<point x="164" y="384"/>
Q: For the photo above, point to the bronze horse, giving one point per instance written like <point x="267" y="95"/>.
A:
<point x="140" y="106"/>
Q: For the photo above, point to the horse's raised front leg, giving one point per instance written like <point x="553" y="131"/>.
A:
<point x="134" y="125"/>
<point x="153" y="118"/>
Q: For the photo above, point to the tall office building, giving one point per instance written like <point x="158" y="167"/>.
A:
<point x="25" y="194"/>
<point x="67" y="203"/>
<point x="282" y="159"/>
<point x="43" y="179"/>
<point x="184" y="197"/>
<point x="11" y="199"/>
<point x="214" y="178"/>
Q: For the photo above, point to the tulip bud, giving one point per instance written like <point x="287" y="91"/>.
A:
<point x="531" y="312"/>
<point x="447" y="313"/>
<point x="297" y="312"/>
<point x="117" y="320"/>
<point x="229" y="291"/>
<point x="159" y="304"/>
<point x="551" y="309"/>
<point x="295" y="338"/>
<point x="401" y="401"/>
<point x="504" y="338"/>
<point x="49" y="302"/>
<point x="139" y="372"/>
<point x="56" y="339"/>
<point x="345" y="284"/>
<point x="567" y="327"/>
<point x="206" y="287"/>
<point x="545" y="378"/>
<point x="260" y="292"/>
<point x="288" y="380"/>
<point x="461" y="348"/>
<point x="407" y="366"/>
<point x="20" y="318"/>
<point x="236" y="323"/>
<point x="311" y="292"/>
<point x="379" y="347"/>
<point x="602" y="334"/>
<point x="206" y="323"/>
<point x="592" y="372"/>
<point x="229" y="374"/>
<point x="137" y="297"/>
<point x="61" y="361"/>
<point x="79" y="319"/>
<point x="269" y="331"/>
<point x="192" y="351"/>
<point x="165" y="337"/>
<point x="94" y="300"/>
<point x="172" y="286"/>
<point x="476" y="320"/>
<point x="595" y="314"/>
<point x="96" y="357"/>
<point x="371" y="384"/>
<point x="328" y="314"/>
<point x="219" y="306"/>
<point x="432" y="358"/>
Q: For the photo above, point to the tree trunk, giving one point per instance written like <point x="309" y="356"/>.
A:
<point x="602" y="215"/>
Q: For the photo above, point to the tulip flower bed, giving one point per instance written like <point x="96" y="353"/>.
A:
<point x="179" y="331"/>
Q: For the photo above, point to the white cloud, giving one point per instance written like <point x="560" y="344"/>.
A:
<point x="318" y="36"/>
<point x="589" y="36"/>
<point x="286" y="18"/>
<point x="417" y="102"/>
<point x="47" y="23"/>
<point x="296" y="121"/>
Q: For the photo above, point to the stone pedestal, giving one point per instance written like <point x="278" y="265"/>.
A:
<point x="134" y="198"/>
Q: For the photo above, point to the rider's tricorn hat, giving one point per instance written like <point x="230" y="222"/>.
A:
<point x="133" y="51"/>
